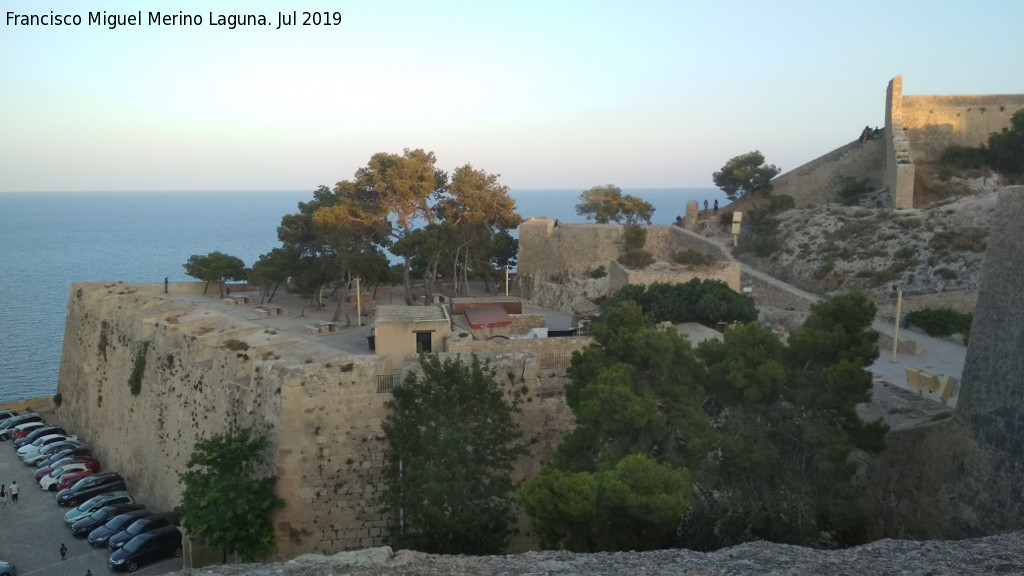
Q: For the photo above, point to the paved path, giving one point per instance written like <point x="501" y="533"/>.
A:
<point x="940" y="357"/>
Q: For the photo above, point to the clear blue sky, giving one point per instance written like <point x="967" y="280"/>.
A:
<point x="550" y="94"/>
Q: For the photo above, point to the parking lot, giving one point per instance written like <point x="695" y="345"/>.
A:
<point x="32" y="530"/>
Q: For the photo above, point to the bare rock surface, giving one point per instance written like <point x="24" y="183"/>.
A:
<point x="827" y="249"/>
<point x="1002" y="554"/>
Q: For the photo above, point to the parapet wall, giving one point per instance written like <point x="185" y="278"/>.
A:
<point x="815" y="182"/>
<point x="919" y="128"/>
<point x="933" y="123"/>
<point x="550" y="252"/>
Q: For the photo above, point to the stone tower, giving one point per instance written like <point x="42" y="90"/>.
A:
<point x="991" y="403"/>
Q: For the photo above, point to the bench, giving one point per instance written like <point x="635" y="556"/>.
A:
<point x="321" y="328"/>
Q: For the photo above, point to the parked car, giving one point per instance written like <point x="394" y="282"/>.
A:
<point x="5" y="414"/>
<point x="45" y="440"/>
<point x="57" y="475"/>
<point x="95" y="503"/>
<point x="21" y="430"/>
<point x="140" y="526"/>
<point x="7" y="426"/>
<point x="90" y="486"/>
<point x="145" y="548"/>
<point x="7" y="569"/>
<point x="99" y="537"/>
<point x="68" y="480"/>
<point x="99" y="518"/>
<point x="45" y="452"/>
<point x="90" y="463"/>
<point x="81" y="450"/>
<point x="34" y="435"/>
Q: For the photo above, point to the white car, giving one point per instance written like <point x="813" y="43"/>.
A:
<point x="43" y="441"/>
<point x="52" y="480"/>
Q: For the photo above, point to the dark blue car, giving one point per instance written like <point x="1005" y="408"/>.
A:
<point x="145" y="548"/>
<point x="99" y="537"/>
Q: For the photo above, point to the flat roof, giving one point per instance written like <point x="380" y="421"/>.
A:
<point x="487" y="316"/>
<point x="409" y="314"/>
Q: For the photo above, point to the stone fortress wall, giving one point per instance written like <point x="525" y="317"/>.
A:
<point x="917" y="130"/>
<point x="207" y="372"/>
<point x="550" y="251"/>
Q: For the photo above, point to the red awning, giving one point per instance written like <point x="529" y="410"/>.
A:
<point x="487" y="317"/>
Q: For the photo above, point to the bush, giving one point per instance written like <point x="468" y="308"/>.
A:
<point x="963" y="157"/>
<point x="598" y="272"/>
<point x="692" y="258"/>
<point x="850" y="189"/>
<point x="780" y="203"/>
<point x="940" y="322"/>
<point x="138" y="369"/>
<point x="636" y="258"/>
<point x="725" y="218"/>
<point x="58" y="399"/>
<point x="634" y="237"/>
<point x="705" y="301"/>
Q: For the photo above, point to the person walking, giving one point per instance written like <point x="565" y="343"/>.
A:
<point x="63" y="551"/>
<point x="3" y="496"/>
<point x="14" y="490"/>
<point x="88" y="573"/>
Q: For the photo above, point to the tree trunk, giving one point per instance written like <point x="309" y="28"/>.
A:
<point x="340" y="310"/>
<point x="408" y="282"/>
<point x="205" y="286"/>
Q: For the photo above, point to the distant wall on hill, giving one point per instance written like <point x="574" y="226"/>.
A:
<point x="816" y="181"/>
<point x="917" y="130"/>
<point x="548" y="248"/>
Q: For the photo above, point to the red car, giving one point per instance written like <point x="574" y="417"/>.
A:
<point x="86" y="459"/>
<point x="23" y="430"/>
<point x="68" y="480"/>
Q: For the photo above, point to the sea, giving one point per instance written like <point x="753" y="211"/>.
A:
<point x="49" y="240"/>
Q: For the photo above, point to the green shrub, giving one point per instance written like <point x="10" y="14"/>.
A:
<point x="941" y="322"/>
<point x="780" y="203"/>
<point x="963" y="157"/>
<point x="692" y="258"/>
<point x="58" y="399"/>
<point x="636" y="258"/>
<point x="634" y="237"/>
<point x="725" y="218"/>
<point x="138" y="369"/>
<point x="850" y="189"/>
<point x="598" y="272"/>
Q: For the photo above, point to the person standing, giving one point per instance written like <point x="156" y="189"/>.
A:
<point x="14" y="492"/>
<point x="63" y="551"/>
<point x="3" y="496"/>
<point x="716" y="205"/>
<point x="705" y="207"/>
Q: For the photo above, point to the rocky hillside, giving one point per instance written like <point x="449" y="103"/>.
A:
<point x="993" y="555"/>
<point x="834" y="248"/>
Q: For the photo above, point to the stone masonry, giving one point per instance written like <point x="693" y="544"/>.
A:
<point x="209" y="372"/>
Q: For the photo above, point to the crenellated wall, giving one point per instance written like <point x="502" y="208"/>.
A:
<point x="208" y="372"/>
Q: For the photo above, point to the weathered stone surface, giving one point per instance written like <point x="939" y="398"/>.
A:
<point x="993" y="379"/>
<point x="994" y="555"/>
<point x="690" y="219"/>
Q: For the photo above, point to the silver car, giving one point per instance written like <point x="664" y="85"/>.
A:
<point x="7" y="569"/>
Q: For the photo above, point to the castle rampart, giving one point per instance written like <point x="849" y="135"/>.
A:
<point x="919" y="128"/>
<point x="208" y="372"/>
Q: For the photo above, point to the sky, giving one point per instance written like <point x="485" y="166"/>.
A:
<point x="548" y="94"/>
